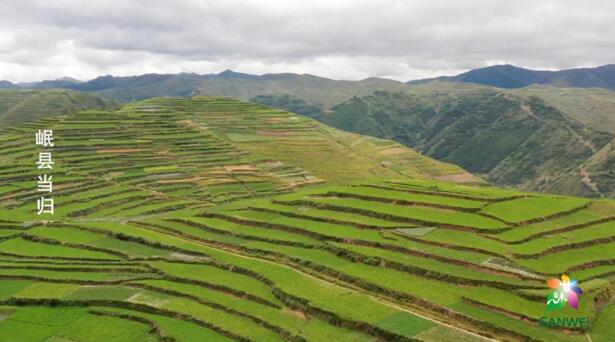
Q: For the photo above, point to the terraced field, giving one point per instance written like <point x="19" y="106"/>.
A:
<point x="212" y="219"/>
<point x="164" y="155"/>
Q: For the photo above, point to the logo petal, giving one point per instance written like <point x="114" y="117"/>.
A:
<point x="553" y="283"/>
<point x="577" y="290"/>
<point x="573" y="300"/>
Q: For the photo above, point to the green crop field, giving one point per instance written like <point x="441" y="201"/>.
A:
<point x="212" y="219"/>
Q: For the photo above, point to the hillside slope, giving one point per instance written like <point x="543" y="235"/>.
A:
<point x="513" y="141"/>
<point x="594" y="176"/>
<point x="18" y="106"/>
<point x="592" y="107"/>
<point x="220" y="220"/>
<point x="215" y="149"/>
<point x="510" y="76"/>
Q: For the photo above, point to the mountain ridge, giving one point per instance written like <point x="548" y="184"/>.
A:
<point x="510" y="76"/>
<point x="500" y="75"/>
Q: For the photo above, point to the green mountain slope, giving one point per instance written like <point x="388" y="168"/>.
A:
<point x="17" y="106"/>
<point x="591" y="106"/>
<point x="511" y="140"/>
<point x="594" y="176"/>
<point x="215" y="219"/>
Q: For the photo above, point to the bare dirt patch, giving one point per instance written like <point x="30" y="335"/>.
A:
<point x="505" y="265"/>
<point x="242" y="167"/>
<point x="586" y="179"/>
<point x="313" y="180"/>
<point x="458" y="178"/>
<point x="141" y="298"/>
<point x="187" y="123"/>
<point x="187" y="257"/>
<point x="4" y="314"/>
<point x="393" y="151"/>
<point x="296" y="313"/>
<point x="273" y="164"/>
<point x="149" y="109"/>
<point x="115" y="174"/>
<point x="276" y="120"/>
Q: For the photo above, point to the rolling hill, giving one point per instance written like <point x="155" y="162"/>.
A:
<point x="217" y="219"/>
<point x="7" y="85"/>
<point x="512" y="140"/>
<point x="20" y="105"/>
<point x="510" y="76"/>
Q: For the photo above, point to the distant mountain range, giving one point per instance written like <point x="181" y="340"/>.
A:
<point x="510" y="76"/>
<point x="541" y="137"/>
<point x="323" y="91"/>
<point x="320" y="90"/>
<point x="60" y="83"/>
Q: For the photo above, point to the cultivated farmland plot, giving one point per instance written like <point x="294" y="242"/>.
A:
<point x="213" y="219"/>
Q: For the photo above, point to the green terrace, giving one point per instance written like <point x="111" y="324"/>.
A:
<point x="210" y="218"/>
<point x="171" y="154"/>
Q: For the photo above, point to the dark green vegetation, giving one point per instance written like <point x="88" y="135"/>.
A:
<point x="510" y="76"/>
<point x="214" y="219"/>
<point x="18" y="106"/>
<point x="519" y="141"/>
<point x="592" y="107"/>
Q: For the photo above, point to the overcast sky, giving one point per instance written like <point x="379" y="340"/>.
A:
<point x="340" y="39"/>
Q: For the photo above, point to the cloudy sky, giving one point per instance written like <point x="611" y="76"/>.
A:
<point x="341" y="39"/>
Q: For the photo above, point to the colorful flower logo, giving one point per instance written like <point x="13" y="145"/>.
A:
<point x="564" y="291"/>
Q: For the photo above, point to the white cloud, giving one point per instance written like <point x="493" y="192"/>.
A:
<point x="349" y="39"/>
